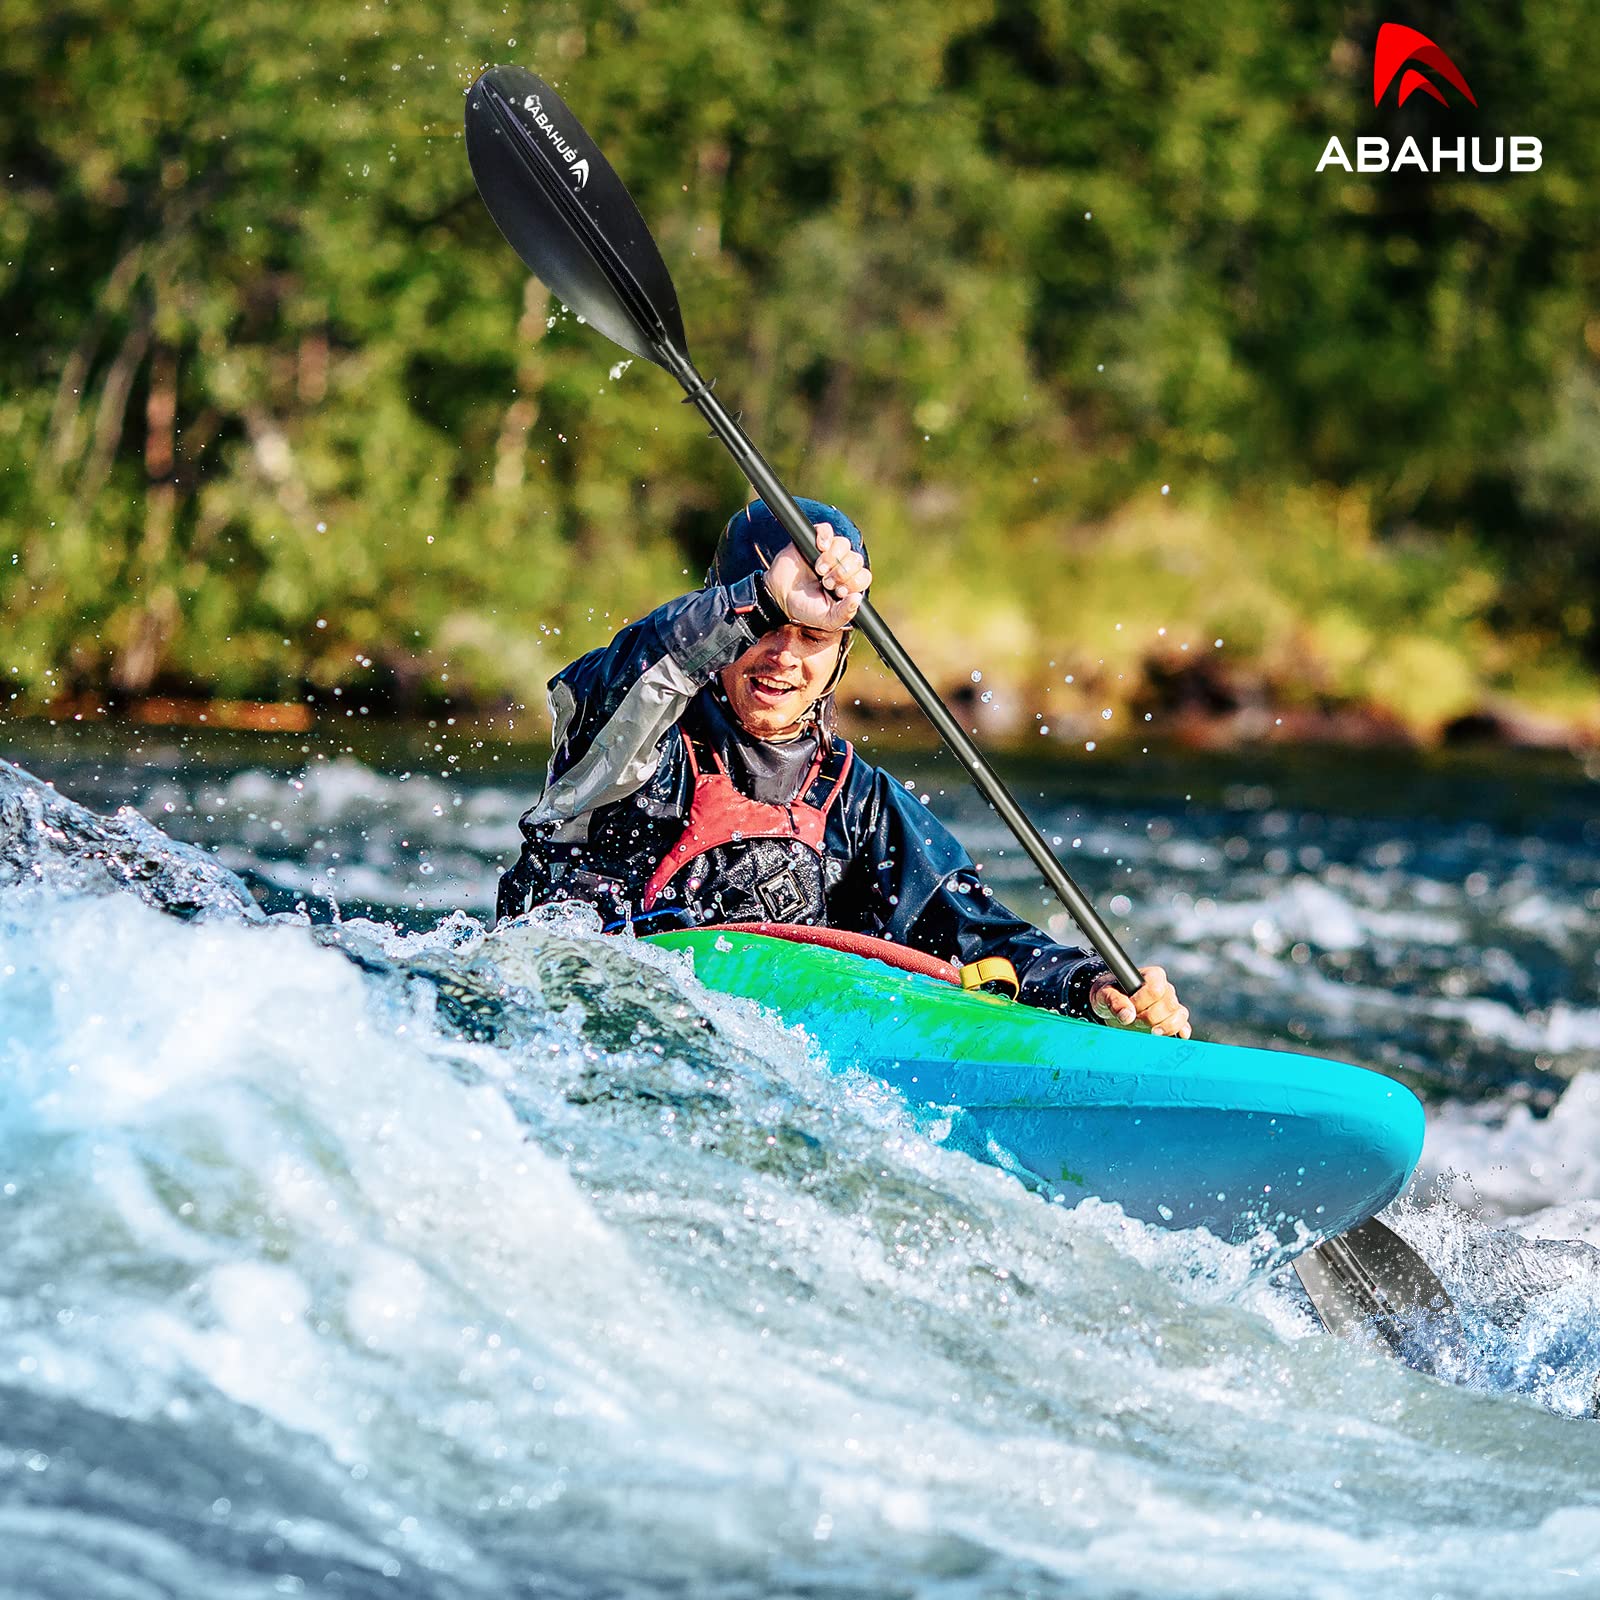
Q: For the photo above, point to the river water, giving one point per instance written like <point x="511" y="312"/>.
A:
<point x="360" y="1249"/>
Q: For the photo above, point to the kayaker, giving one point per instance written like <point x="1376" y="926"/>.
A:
<point x="698" y="778"/>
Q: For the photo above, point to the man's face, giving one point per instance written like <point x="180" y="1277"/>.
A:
<point x="775" y="683"/>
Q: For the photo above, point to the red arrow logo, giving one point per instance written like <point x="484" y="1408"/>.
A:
<point x="1397" y="45"/>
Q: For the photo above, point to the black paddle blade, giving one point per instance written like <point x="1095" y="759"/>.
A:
<point x="566" y="213"/>
<point x="1371" y="1280"/>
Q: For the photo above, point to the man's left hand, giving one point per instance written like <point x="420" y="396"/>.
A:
<point x="827" y="598"/>
<point x="1154" y="1008"/>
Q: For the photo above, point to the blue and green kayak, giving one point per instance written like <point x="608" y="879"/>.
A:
<point x="1179" y="1133"/>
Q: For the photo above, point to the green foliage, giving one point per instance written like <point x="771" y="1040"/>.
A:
<point x="283" y="412"/>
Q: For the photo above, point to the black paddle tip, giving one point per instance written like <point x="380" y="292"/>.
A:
<point x="567" y="214"/>
<point x="1370" y="1281"/>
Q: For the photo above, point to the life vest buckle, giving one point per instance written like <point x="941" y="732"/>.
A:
<point x="992" y="974"/>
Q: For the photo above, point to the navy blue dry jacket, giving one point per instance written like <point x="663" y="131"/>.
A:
<point x="621" y="784"/>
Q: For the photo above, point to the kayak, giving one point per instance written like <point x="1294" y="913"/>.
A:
<point x="1179" y="1133"/>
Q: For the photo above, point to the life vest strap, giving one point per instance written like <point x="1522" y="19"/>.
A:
<point x="830" y="767"/>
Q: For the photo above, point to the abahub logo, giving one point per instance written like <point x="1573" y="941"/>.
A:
<point x="1398" y="45"/>
<point x="577" y="165"/>
<point x="1397" y="62"/>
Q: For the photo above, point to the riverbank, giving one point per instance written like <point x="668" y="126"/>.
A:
<point x="1205" y="716"/>
<point x="1202" y="618"/>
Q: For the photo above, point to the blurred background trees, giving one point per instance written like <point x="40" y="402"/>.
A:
<point x="1050" y="295"/>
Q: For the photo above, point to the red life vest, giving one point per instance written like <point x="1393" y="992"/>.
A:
<point x="787" y="885"/>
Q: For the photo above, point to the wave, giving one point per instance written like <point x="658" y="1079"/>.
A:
<point x="456" y="1261"/>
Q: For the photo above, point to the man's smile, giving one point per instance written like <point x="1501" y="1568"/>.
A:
<point x="772" y="686"/>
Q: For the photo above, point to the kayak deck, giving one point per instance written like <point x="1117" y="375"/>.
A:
<point x="1180" y="1133"/>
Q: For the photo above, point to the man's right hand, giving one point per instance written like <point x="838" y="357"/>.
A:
<point x="1154" y="1008"/>
<point x="827" y="597"/>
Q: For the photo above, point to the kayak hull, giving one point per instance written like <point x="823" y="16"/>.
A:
<point x="1180" y="1133"/>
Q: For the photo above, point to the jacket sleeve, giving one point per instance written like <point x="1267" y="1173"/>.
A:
<point x="926" y="892"/>
<point x="613" y="707"/>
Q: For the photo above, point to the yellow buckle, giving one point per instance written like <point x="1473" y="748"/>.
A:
<point x="994" y="974"/>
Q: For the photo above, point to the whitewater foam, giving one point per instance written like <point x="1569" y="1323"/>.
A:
<point x="448" y="1260"/>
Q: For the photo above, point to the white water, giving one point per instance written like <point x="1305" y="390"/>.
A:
<point x="488" y="1268"/>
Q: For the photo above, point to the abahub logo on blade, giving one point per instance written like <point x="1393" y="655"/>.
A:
<point x="1397" y="62"/>
<point x="577" y="166"/>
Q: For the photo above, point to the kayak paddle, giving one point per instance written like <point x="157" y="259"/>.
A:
<point x="566" y="213"/>
<point x="1370" y="1280"/>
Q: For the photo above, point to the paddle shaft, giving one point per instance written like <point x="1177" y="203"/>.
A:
<point x="798" y="526"/>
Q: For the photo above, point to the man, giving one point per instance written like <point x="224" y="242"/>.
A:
<point x="697" y="778"/>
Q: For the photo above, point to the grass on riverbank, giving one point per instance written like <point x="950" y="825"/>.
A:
<point x="1202" y="608"/>
<point x="1180" y="607"/>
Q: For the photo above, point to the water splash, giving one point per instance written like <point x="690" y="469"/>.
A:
<point x="450" y="1261"/>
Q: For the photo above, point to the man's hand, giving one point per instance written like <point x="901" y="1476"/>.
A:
<point x="1153" y="1009"/>
<point x="827" y="598"/>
